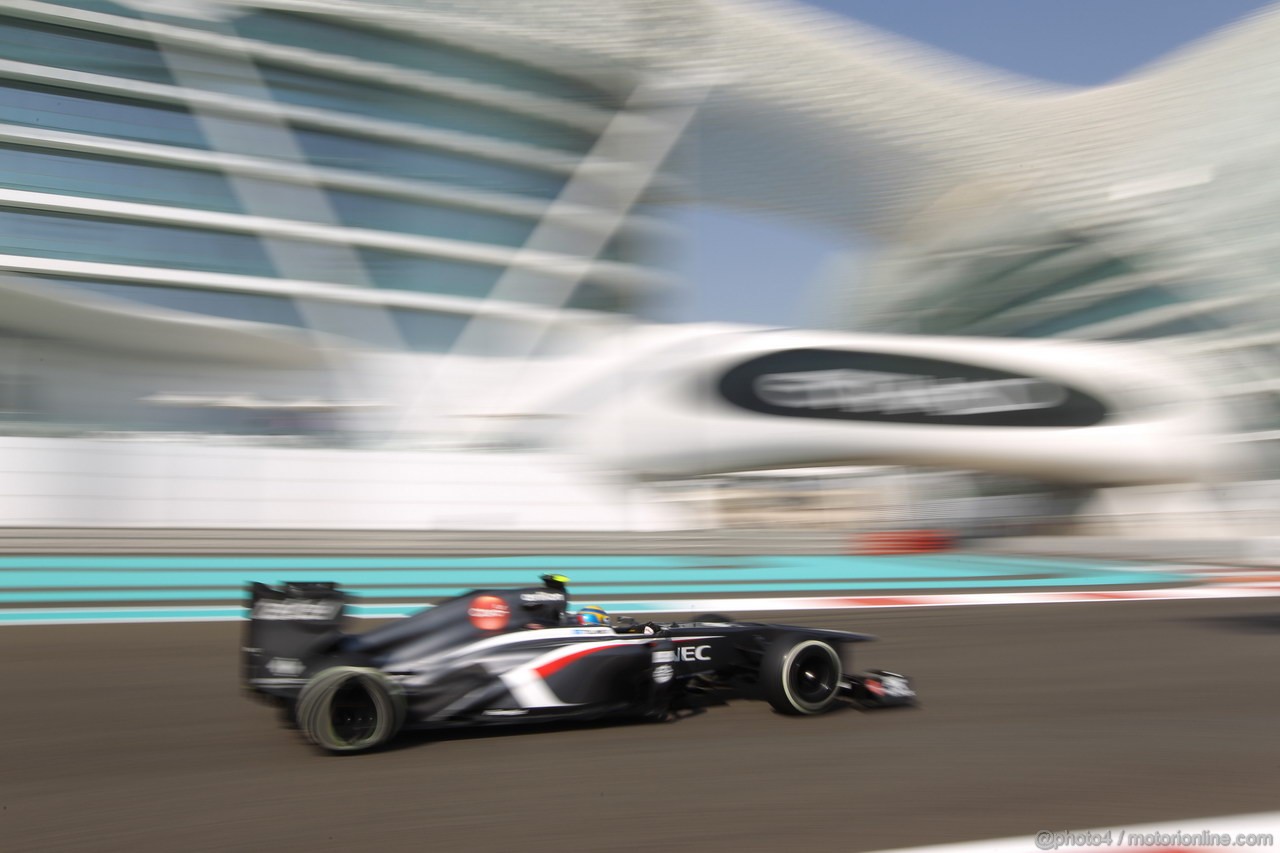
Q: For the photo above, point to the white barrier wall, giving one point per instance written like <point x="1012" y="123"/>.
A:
<point x="104" y="482"/>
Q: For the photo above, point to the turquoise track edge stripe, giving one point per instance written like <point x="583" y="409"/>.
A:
<point x="21" y="581"/>
<point x="846" y="586"/>
<point x="567" y="563"/>
<point x="143" y="615"/>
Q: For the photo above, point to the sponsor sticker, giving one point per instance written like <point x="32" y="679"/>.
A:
<point x="693" y="653"/>
<point x="489" y="613"/>
<point x="268" y="609"/>
<point x="897" y="687"/>
<point x="285" y="667"/>
<point x="663" y="673"/>
<point x="541" y="596"/>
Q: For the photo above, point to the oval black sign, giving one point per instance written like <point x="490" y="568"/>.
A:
<point x="902" y="389"/>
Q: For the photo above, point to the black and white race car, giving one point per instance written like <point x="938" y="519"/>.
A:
<point x="515" y="656"/>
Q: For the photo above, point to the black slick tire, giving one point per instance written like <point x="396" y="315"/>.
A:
<point x="350" y="709"/>
<point x="800" y="676"/>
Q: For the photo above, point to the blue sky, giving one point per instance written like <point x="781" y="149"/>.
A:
<point x="734" y="263"/>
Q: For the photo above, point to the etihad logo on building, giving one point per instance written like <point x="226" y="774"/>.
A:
<point x="897" y="394"/>
<point x="891" y="388"/>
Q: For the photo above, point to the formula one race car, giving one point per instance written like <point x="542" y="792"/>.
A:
<point x="515" y="656"/>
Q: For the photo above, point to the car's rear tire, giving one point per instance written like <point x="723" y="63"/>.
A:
<point x="800" y="676"/>
<point x="350" y="709"/>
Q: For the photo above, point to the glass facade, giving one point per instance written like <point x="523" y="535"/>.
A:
<point x="53" y="170"/>
<point x="591" y="296"/>
<point x="96" y="114"/>
<point x="429" y="275"/>
<point x="1099" y="312"/>
<point x="349" y="38"/>
<point x="1066" y="289"/>
<point x="23" y="40"/>
<point x="358" y="133"/>
<point x="230" y="305"/>
<point x="100" y="53"/>
<point x="406" y="106"/>
<point x="419" y="330"/>
<point x="105" y="7"/>
<point x="1171" y="328"/>
<point x="63" y="172"/>
<point x="80" y="238"/>
<point x="428" y="331"/>
<point x="380" y="213"/>
<point x="344" y="151"/>
<point x="1111" y="268"/>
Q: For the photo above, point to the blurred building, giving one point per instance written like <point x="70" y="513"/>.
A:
<point x="287" y="180"/>
<point x="351" y="238"/>
<point x="235" y="236"/>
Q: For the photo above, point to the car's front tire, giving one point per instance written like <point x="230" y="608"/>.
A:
<point x="800" y="676"/>
<point x="350" y="709"/>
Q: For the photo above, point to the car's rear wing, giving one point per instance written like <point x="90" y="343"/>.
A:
<point x="288" y="625"/>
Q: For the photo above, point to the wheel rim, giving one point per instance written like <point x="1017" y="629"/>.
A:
<point x="353" y="714"/>
<point x="812" y="676"/>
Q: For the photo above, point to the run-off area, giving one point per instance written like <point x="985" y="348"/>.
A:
<point x="1033" y="717"/>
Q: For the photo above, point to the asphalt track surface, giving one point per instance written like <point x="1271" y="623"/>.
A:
<point x="1063" y="716"/>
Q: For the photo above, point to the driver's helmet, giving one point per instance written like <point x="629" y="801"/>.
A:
<point x="592" y="615"/>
